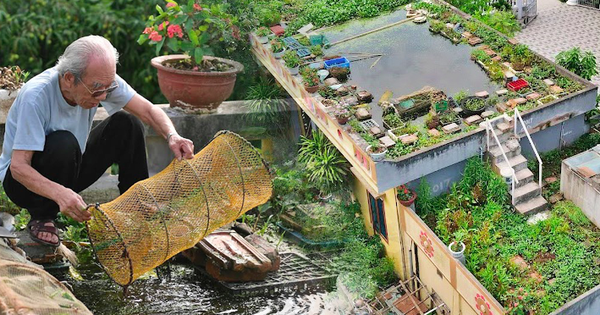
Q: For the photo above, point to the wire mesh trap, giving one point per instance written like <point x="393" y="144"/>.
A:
<point x="173" y="210"/>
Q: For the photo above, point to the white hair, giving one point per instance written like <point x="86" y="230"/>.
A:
<point x="77" y="56"/>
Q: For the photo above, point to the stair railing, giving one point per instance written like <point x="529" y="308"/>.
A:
<point x="537" y="155"/>
<point x="489" y="129"/>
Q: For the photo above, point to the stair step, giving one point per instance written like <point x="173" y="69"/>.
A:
<point x="509" y="150"/>
<point x="518" y="163"/>
<point x="524" y="176"/>
<point x="503" y="127"/>
<point x="533" y="206"/>
<point x="526" y="192"/>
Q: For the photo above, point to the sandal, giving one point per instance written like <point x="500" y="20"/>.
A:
<point x="35" y="227"/>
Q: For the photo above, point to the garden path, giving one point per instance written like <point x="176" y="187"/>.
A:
<point x="559" y="27"/>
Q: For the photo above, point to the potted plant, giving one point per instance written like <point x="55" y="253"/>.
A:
<point x="406" y="196"/>
<point x="432" y="121"/>
<point x="277" y="48"/>
<point x="310" y="79"/>
<point x="473" y="106"/>
<point x="376" y="150"/>
<point x="262" y="33"/>
<point x="342" y="113"/>
<point x="11" y="80"/>
<point x="190" y="78"/>
<point x="449" y="117"/>
<point x="292" y="61"/>
<point x="457" y="247"/>
<point x="521" y="57"/>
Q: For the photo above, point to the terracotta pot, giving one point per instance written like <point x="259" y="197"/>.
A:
<point x="409" y="202"/>
<point x="192" y="88"/>
<point x="311" y="89"/>
<point x="342" y="120"/>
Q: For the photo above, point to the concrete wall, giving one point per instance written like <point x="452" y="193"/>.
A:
<point x="441" y="181"/>
<point x="586" y="304"/>
<point x="422" y="163"/>
<point x="556" y="136"/>
<point x="582" y="193"/>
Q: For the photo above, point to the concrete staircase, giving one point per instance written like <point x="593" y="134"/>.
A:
<point x="528" y="198"/>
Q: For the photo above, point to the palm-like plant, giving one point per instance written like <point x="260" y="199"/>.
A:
<point x="324" y="163"/>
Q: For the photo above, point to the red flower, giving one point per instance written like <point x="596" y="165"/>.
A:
<point x="147" y="30"/>
<point x="155" y="36"/>
<point x="197" y="7"/>
<point x="171" y="4"/>
<point x="162" y="25"/>
<point x="174" y="29"/>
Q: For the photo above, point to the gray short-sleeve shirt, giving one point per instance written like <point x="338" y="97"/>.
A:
<point x="41" y="109"/>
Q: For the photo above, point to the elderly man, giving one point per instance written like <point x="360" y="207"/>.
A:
<point x="49" y="153"/>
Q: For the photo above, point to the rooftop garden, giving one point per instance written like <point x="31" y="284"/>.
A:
<point x="517" y="79"/>
<point x="527" y="267"/>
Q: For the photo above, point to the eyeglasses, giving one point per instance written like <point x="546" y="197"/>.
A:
<point x="99" y="93"/>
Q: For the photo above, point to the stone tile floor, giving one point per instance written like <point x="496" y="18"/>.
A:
<point x="559" y="27"/>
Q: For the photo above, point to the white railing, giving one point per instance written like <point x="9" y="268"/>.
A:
<point x="518" y="116"/>
<point x="489" y="128"/>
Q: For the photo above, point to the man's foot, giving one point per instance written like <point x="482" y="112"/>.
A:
<point x="44" y="232"/>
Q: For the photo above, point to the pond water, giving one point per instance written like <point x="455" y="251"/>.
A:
<point x="412" y="58"/>
<point x="187" y="292"/>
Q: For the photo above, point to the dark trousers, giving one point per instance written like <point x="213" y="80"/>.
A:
<point x="118" y="139"/>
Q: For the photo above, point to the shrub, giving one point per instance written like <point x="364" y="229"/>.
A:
<point x="581" y="63"/>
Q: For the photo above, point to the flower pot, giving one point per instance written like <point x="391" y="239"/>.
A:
<point x="376" y="157"/>
<point x="193" y="89"/>
<point x="311" y="89"/>
<point x="278" y="55"/>
<point x="460" y="253"/>
<point x="263" y="39"/>
<point x="408" y="203"/>
<point x="294" y="71"/>
<point x="342" y="120"/>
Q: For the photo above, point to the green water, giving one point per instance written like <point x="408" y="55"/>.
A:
<point x="412" y="58"/>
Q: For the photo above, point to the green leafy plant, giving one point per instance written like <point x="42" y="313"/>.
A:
<point x="309" y="76"/>
<point x="475" y="104"/>
<point x="581" y="63"/>
<point x="448" y="117"/>
<point x="460" y="95"/>
<point x="263" y="31"/>
<point x="266" y="103"/>
<point x="325" y="165"/>
<point x="291" y="59"/>
<point x="316" y="50"/>
<point x="277" y="45"/>
<point x="393" y="120"/>
<point x="190" y="29"/>
<point x="481" y="56"/>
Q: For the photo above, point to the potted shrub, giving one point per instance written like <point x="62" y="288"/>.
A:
<point x="190" y="78"/>
<point x="342" y="114"/>
<point x="277" y="48"/>
<point x="405" y="195"/>
<point x="473" y="106"/>
<point x="432" y="121"/>
<point x="316" y="50"/>
<point x="292" y="61"/>
<point x="11" y="80"/>
<point x="262" y="33"/>
<point x="449" y="117"/>
<point x="457" y="247"/>
<point x="376" y="150"/>
<point x="310" y="79"/>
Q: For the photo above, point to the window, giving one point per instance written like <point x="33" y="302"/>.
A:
<point x="377" y="215"/>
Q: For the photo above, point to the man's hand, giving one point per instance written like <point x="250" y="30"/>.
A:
<point x="181" y="147"/>
<point x="71" y="204"/>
